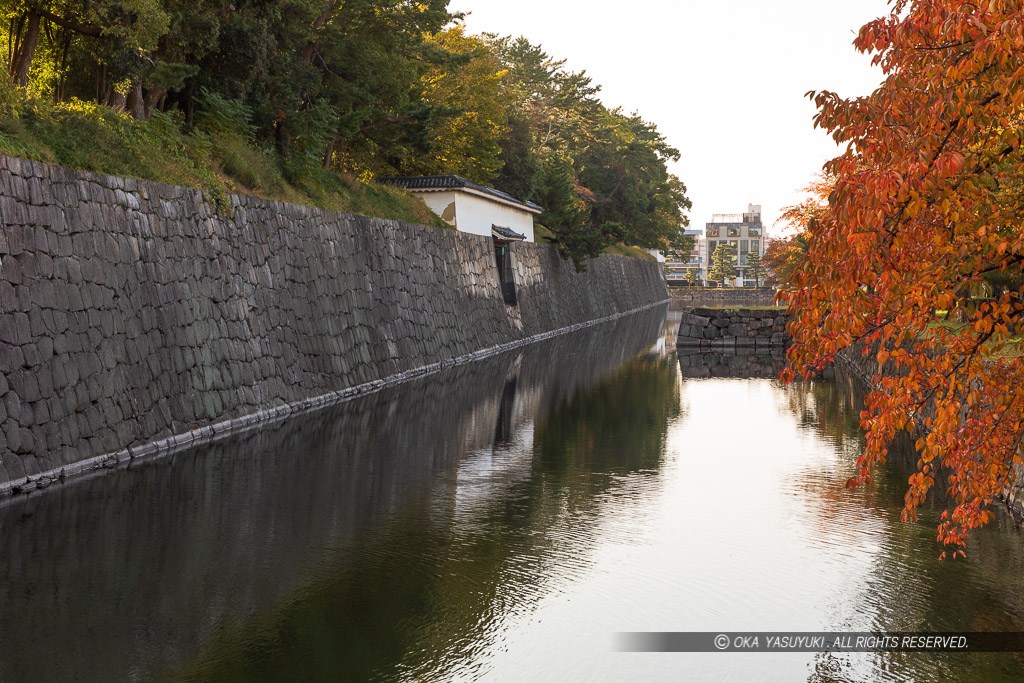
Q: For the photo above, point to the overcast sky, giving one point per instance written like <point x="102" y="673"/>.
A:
<point x="723" y="81"/>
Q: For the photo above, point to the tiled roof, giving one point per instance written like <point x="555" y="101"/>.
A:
<point x="445" y="182"/>
<point x="507" y="233"/>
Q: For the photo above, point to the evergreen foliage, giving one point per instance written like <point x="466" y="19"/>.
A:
<point x="292" y="98"/>
<point x="754" y="268"/>
<point x="723" y="264"/>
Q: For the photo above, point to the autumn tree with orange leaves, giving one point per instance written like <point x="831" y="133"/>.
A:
<point x="926" y="203"/>
<point x="784" y="255"/>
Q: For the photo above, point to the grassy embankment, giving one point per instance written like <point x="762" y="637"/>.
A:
<point x="745" y="308"/>
<point x="1011" y="348"/>
<point x="544" y="236"/>
<point x="634" y="252"/>
<point x="211" y="156"/>
<point x="216" y="156"/>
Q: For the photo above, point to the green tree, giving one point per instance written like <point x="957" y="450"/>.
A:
<point x="118" y="33"/>
<point x="616" y="164"/>
<point x="467" y="137"/>
<point x="361" y="87"/>
<point x="344" y="82"/>
<point x="723" y="268"/>
<point x="558" y="194"/>
<point x="691" y="277"/>
<point x="754" y="268"/>
<point x="633" y="197"/>
<point x="520" y="165"/>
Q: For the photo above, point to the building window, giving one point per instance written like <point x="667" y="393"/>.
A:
<point x="712" y="232"/>
<point x="754" y="231"/>
<point x="743" y="246"/>
<point x="755" y="247"/>
<point x="734" y="231"/>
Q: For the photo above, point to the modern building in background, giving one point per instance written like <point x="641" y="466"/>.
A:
<point x="741" y="230"/>
<point x="678" y="266"/>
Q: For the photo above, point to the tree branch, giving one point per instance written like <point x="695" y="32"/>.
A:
<point x="74" y="26"/>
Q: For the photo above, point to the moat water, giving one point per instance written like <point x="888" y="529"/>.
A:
<point x="503" y="521"/>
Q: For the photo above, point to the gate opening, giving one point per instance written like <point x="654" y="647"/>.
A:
<point x="503" y="260"/>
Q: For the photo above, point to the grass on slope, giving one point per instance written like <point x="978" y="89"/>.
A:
<point x="633" y="252"/>
<point x="96" y="138"/>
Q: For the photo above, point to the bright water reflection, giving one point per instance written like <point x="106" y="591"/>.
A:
<point x="502" y="521"/>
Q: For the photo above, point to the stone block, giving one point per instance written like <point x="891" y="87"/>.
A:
<point x="10" y="269"/>
<point x="8" y="297"/>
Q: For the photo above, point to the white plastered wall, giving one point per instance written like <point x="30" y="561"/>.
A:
<point x="476" y="214"/>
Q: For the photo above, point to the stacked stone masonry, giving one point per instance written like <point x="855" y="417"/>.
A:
<point x="134" y="318"/>
<point x="729" y="328"/>
<point x="725" y="297"/>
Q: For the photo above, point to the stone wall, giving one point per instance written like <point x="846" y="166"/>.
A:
<point x="726" y="297"/>
<point x="730" y="328"/>
<point x="135" y="320"/>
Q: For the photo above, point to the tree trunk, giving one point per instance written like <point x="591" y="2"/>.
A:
<point x="58" y="94"/>
<point x="26" y="51"/>
<point x="282" y="137"/>
<point x="329" y="156"/>
<point x="154" y="96"/>
<point x="115" y="99"/>
<point x="13" y="41"/>
<point x="190" y="103"/>
<point x="101" y="82"/>
<point x="134" y="103"/>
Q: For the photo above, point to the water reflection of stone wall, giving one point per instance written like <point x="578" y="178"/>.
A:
<point x="132" y="572"/>
<point x="763" y="363"/>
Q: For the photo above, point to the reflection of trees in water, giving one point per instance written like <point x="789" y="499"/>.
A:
<point x="323" y="547"/>
<point x="421" y="596"/>
<point x="620" y="424"/>
<point x="539" y="529"/>
<point x="831" y="410"/>
<point x="907" y="588"/>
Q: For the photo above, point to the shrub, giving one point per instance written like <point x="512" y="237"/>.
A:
<point x="10" y="98"/>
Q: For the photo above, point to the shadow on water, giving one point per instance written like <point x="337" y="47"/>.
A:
<point x="384" y="538"/>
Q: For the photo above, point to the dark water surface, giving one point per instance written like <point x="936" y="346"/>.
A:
<point x="502" y="521"/>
